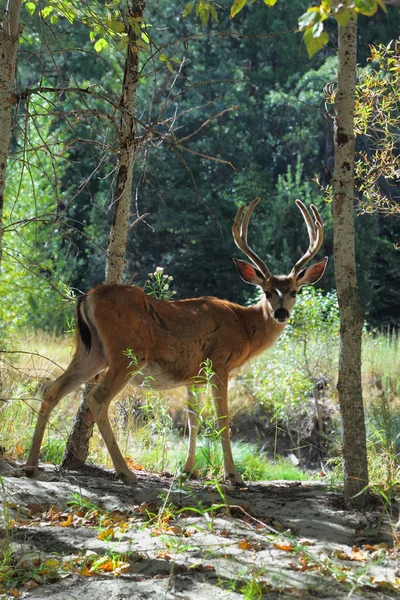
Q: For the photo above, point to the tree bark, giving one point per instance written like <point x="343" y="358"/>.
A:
<point x="351" y="319"/>
<point x="77" y="448"/>
<point x="9" y="39"/>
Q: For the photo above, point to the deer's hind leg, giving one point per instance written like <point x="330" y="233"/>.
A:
<point x="83" y="367"/>
<point x="220" y="395"/>
<point x="98" y="399"/>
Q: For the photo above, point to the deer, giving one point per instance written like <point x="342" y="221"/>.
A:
<point x="171" y="340"/>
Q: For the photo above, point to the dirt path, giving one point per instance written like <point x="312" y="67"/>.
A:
<point x="161" y="541"/>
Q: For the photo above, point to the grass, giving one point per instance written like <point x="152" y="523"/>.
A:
<point x="281" y="386"/>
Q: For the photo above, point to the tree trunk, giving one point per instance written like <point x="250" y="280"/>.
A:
<point x="351" y="319"/>
<point x="9" y="38"/>
<point x="77" y="449"/>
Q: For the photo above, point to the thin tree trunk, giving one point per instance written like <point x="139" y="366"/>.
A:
<point x="77" y="449"/>
<point x="9" y="38"/>
<point x="351" y="318"/>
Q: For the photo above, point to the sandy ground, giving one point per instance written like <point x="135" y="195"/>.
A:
<point x="267" y="540"/>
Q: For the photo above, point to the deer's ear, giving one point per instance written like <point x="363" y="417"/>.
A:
<point x="248" y="273"/>
<point x="312" y="274"/>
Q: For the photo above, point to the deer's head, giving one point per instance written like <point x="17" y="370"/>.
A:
<point x="280" y="290"/>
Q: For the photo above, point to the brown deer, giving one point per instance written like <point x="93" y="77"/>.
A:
<point x="171" y="340"/>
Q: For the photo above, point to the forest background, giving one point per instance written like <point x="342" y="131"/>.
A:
<point x="226" y="112"/>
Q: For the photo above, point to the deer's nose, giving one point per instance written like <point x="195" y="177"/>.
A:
<point x="281" y="314"/>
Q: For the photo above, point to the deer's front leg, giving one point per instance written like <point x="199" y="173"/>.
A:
<point x="193" y="418"/>
<point x="220" y="395"/>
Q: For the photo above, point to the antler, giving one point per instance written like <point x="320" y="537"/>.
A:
<point x="315" y="233"/>
<point x="239" y="232"/>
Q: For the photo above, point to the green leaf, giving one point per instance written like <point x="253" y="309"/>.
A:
<point x="326" y="6"/>
<point x="145" y="37"/>
<point x="100" y="44"/>
<point x="314" y="44"/>
<point x="141" y="44"/>
<point x="214" y="13"/>
<point x="163" y="58"/>
<point x="366" y="7"/>
<point x="123" y="43"/>
<point x="204" y="12"/>
<point x="270" y="2"/>
<point x="33" y="303"/>
<point x="46" y="11"/>
<point x="30" y="7"/>
<point x="309" y="18"/>
<point x="116" y="26"/>
<point x="343" y="16"/>
<point x="135" y="24"/>
<point x="188" y="9"/>
<point x="237" y="7"/>
<point x="170" y="67"/>
<point x="53" y="19"/>
<point x="69" y="13"/>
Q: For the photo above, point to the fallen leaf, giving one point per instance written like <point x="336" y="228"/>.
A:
<point x="246" y="545"/>
<point x="203" y="568"/>
<point x="389" y="581"/>
<point x="67" y="522"/>
<point x="175" y="529"/>
<point x="34" y="508"/>
<point x="225" y="533"/>
<point x="30" y="584"/>
<point x="306" y="542"/>
<point x="356" y="555"/>
<point x="107" y="564"/>
<point x="133" y="464"/>
<point x="106" y="534"/>
<point x="381" y="546"/>
<point x="122" y="568"/>
<point x="284" y="546"/>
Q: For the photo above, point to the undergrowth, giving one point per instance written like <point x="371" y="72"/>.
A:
<point x="291" y="386"/>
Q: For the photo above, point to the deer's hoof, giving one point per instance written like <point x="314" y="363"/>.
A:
<point x="235" y="479"/>
<point x="31" y="471"/>
<point x="127" y="477"/>
<point x="191" y="473"/>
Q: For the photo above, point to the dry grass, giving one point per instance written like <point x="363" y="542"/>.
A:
<point x="41" y="357"/>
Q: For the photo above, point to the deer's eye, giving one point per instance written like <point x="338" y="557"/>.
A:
<point x="293" y="294"/>
<point x="268" y="295"/>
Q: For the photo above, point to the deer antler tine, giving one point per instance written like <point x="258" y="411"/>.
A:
<point x="307" y="218"/>
<point x="315" y="232"/>
<point x="246" y="218"/>
<point x="239" y="232"/>
<point x="236" y="227"/>
<point x="317" y="216"/>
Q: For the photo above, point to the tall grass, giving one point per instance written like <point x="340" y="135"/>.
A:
<point x="293" y="381"/>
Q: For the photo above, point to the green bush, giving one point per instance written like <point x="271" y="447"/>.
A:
<point x="283" y="378"/>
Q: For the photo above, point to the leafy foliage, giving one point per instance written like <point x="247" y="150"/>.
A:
<point x="276" y="115"/>
<point x="312" y="22"/>
<point x="377" y="119"/>
<point x="284" y="380"/>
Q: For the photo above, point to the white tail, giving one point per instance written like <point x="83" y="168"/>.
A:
<point x="171" y="340"/>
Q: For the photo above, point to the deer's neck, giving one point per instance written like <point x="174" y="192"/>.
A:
<point x="262" y="329"/>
